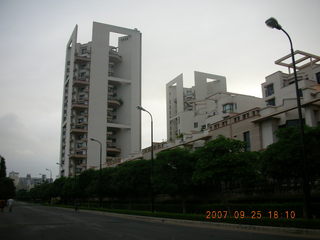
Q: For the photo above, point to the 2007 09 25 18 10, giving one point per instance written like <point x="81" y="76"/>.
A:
<point x="223" y="214"/>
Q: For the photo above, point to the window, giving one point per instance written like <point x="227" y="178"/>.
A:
<point x="227" y="108"/>
<point x="195" y="125"/>
<point x="246" y="139"/>
<point x="300" y="93"/>
<point x="83" y="50"/>
<point x="268" y="90"/>
<point x="271" y="102"/>
<point x="318" y="77"/>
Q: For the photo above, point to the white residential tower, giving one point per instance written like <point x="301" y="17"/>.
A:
<point x="102" y="87"/>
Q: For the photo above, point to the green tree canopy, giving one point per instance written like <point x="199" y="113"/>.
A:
<point x="283" y="160"/>
<point x="7" y="188"/>
<point x="173" y="174"/>
<point x="3" y="172"/>
<point x="224" y="162"/>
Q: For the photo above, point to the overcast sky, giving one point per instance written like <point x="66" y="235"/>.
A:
<point x="226" y="37"/>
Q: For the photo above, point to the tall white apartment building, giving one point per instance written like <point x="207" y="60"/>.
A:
<point x="279" y="95"/>
<point x="192" y="110"/>
<point x="102" y="87"/>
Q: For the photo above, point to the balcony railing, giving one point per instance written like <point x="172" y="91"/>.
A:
<point x="77" y="128"/>
<point x="82" y="58"/>
<point x="114" y="101"/>
<point x="114" y="55"/>
<point x="80" y="81"/>
<point x="79" y="104"/>
<point x="112" y="160"/>
<point x="113" y="149"/>
<point x="78" y="156"/>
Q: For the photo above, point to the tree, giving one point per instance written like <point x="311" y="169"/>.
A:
<point x="7" y="188"/>
<point x="282" y="161"/>
<point x="131" y="180"/>
<point x="3" y="173"/>
<point x="88" y="183"/>
<point x="223" y="165"/>
<point x="173" y="174"/>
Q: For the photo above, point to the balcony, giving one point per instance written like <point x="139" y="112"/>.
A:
<point x="78" y="155"/>
<point x="80" y="81"/>
<point x="79" y="104"/>
<point x="112" y="161"/>
<point x="113" y="149"/>
<point x="114" y="55"/>
<point x="78" y="128"/>
<point x="82" y="58"/>
<point x="114" y="102"/>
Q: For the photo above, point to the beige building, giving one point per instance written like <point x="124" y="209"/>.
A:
<point x="279" y="94"/>
<point x="193" y="110"/>
<point x="257" y="126"/>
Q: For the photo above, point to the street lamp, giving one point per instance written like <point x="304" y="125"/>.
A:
<point x="273" y="23"/>
<point x="100" y="144"/>
<point x="152" y="196"/>
<point x="50" y="174"/>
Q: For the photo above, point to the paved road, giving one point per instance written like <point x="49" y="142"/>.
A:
<point x="38" y="222"/>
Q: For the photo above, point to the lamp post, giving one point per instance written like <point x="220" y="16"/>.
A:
<point x="273" y="23"/>
<point x="50" y="174"/>
<point x="151" y="176"/>
<point x="100" y="144"/>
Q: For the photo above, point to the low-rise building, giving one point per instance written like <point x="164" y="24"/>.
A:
<point x="279" y="95"/>
<point x="15" y="177"/>
<point x="29" y="182"/>
<point x="192" y="110"/>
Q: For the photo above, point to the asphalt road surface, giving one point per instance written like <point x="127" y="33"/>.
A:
<point x="38" y="222"/>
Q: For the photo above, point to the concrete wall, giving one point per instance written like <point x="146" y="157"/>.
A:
<point x="174" y="99"/>
<point x="68" y="77"/>
<point x="98" y="93"/>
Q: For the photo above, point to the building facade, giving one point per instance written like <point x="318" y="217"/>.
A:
<point x="192" y="110"/>
<point x="243" y="117"/>
<point x="279" y="95"/>
<point x="15" y="177"/>
<point x="102" y="87"/>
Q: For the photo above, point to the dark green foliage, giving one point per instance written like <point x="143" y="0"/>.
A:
<point x="131" y="179"/>
<point x="221" y="171"/>
<point x="173" y="172"/>
<point x="223" y="164"/>
<point x="283" y="160"/>
<point x="23" y="195"/>
<point x="88" y="183"/>
<point x="3" y="172"/>
<point x="7" y="188"/>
